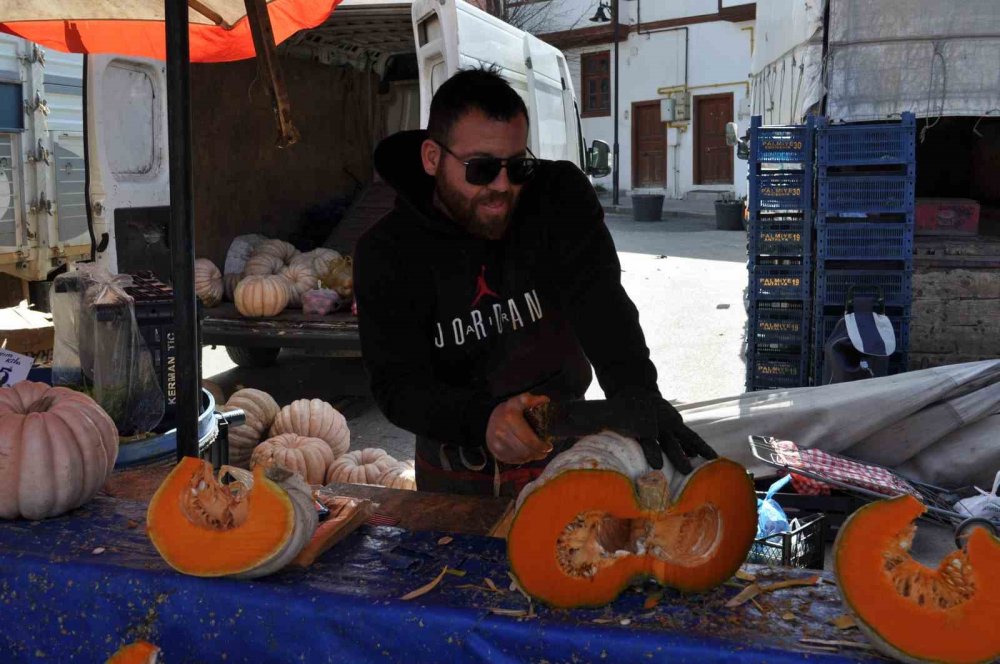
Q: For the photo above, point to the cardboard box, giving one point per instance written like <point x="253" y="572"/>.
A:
<point x="27" y="332"/>
<point x="947" y="216"/>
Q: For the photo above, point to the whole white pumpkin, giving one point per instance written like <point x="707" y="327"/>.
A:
<point x="360" y="466"/>
<point x="401" y="476"/>
<point x="229" y="283"/>
<point x="309" y="457"/>
<point x="263" y="265"/>
<point x="57" y="449"/>
<point x="259" y="296"/>
<point x="207" y="282"/>
<point x="280" y="249"/>
<point x="302" y="279"/>
<point x="260" y="409"/>
<point x="317" y="419"/>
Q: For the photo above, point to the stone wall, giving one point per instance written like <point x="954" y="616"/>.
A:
<point x="956" y="301"/>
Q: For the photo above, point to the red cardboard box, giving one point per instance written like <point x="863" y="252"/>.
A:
<point x="947" y="216"/>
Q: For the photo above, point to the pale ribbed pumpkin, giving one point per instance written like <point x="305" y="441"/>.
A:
<point x="260" y="410"/>
<point x="401" y="476"/>
<point x="280" y="249"/>
<point x="302" y="279"/>
<point x="317" y="419"/>
<point x="263" y="265"/>
<point x="246" y="529"/>
<point x="229" y="282"/>
<point x="598" y="518"/>
<point x="57" y="449"/>
<point x="318" y="259"/>
<point x="360" y="466"/>
<point x="262" y="296"/>
<point x="309" y="457"/>
<point x="207" y="282"/>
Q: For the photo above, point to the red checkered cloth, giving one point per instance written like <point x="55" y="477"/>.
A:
<point x="839" y="469"/>
<point x="379" y="519"/>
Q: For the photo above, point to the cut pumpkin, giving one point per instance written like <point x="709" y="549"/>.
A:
<point x="247" y="529"/>
<point x="139" y="652"/>
<point x="598" y="518"/>
<point x="910" y="611"/>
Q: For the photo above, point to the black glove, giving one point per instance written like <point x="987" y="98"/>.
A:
<point x="675" y="440"/>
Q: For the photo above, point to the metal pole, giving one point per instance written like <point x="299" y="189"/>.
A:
<point x="181" y="229"/>
<point x="614" y="196"/>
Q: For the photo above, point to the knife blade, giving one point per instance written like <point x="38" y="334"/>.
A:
<point x="573" y="419"/>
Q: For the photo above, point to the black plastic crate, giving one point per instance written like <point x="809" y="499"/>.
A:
<point x="779" y="329"/>
<point x="803" y="546"/>
<point x="835" y="507"/>
<point x="779" y="282"/>
<point x="874" y="144"/>
<point x="781" y="144"/>
<point x="774" y="371"/>
<point x="864" y="240"/>
<point x="832" y="286"/>
<point x="865" y="194"/>
<point x="780" y="236"/>
<point x="780" y="190"/>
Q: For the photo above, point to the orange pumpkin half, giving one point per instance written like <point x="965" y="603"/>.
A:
<point x="246" y="529"/>
<point x="910" y="611"/>
<point x="598" y="518"/>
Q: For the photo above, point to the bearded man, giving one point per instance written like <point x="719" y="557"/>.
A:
<point x="491" y="287"/>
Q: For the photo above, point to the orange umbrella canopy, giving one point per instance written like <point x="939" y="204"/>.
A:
<point x="218" y="29"/>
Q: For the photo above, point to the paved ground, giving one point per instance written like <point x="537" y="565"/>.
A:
<point x="685" y="277"/>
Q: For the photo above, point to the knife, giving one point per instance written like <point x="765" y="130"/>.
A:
<point x="573" y="419"/>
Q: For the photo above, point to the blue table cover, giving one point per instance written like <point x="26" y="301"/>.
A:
<point x="61" y="601"/>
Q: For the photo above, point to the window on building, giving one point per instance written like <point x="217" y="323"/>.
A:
<point x="595" y="78"/>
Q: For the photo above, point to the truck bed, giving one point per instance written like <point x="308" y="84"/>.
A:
<point x="224" y="326"/>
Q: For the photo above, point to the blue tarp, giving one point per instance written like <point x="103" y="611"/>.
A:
<point x="61" y="601"/>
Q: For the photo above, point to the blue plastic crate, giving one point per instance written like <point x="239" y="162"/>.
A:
<point x="779" y="328"/>
<point x="785" y="235"/>
<point x="825" y="325"/>
<point x="832" y="286"/>
<point x="771" y="371"/>
<point x="779" y="282"/>
<point x="781" y="144"/>
<point x="864" y="241"/>
<point x="881" y="144"/>
<point x="865" y="194"/>
<point x="780" y="190"/>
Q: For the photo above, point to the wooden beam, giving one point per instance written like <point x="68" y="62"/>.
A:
<point x="267" y="62"/>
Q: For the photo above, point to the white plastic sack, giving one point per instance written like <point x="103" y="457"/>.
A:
<point x="985" y="505"/>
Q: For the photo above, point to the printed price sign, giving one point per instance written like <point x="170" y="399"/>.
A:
<point x="13" y="367"/>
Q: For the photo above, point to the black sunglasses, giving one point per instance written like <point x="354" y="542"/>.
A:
<point x="483" y="170"/>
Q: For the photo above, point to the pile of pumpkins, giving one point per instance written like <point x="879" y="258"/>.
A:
<point x="311" y="438"/>
<point x="276" y="276"/>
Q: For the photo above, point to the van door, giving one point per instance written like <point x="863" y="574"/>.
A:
<point x="129" y="193"/>
<point x="450" y="35"/>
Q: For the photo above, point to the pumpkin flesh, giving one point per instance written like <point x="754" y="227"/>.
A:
<point x="586" y="535"/>
<point x="203" y="528"/>
<point x="910" y="611"/>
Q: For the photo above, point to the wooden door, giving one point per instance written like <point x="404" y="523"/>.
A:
<point x="649" y="146"/>
<point x="713" y="159"/>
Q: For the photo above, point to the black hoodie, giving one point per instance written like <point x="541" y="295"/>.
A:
<point x="451" y="325"/>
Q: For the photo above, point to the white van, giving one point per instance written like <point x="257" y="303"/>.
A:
<point x="368" y="71"/>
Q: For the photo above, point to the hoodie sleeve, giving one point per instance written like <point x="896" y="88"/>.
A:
<point x="394" y="321"/>
<point x="588" y="276"/>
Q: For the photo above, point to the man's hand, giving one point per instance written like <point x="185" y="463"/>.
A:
<point x="675" y="440"/>
<point x="509" y="437"/>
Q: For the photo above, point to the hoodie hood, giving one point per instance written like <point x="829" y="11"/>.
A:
<point x="397" y="160"/>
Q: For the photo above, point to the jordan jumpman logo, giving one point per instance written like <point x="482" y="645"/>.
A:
<point x="482" y="288"/>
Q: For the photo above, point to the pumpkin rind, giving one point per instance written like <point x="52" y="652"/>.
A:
<point x="909" y="611"/>
<point x="260" y="409"/>
<point x="57" y="449"/>
<point x="246" y="530"/>
<point x="314" y="418"/>
<point x="602" y="491"/>
<point x="309" y="457"/>
<point x="360" y="466"/>
<point x="259" y="296"/>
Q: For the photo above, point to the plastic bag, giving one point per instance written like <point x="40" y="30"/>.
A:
<point x="111" y="361"/>
<point x="985" y="505"/>
<point x="771" y="519"/>
<point x="340" y="277"/>
<point x="320" y="301"/>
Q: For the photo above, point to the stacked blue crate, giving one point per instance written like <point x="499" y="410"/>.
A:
<point x="779" y="203"/>
<point x="865" y="204"/>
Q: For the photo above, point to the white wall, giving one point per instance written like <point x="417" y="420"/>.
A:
<point x="719" y="54"/>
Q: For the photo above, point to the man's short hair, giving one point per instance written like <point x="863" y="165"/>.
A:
<point x="481" y="89"/>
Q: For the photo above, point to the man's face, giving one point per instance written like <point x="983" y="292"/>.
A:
<point x="483" y="210"/>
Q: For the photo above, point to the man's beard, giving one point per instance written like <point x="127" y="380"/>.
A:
<point x="470" y="215"/>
